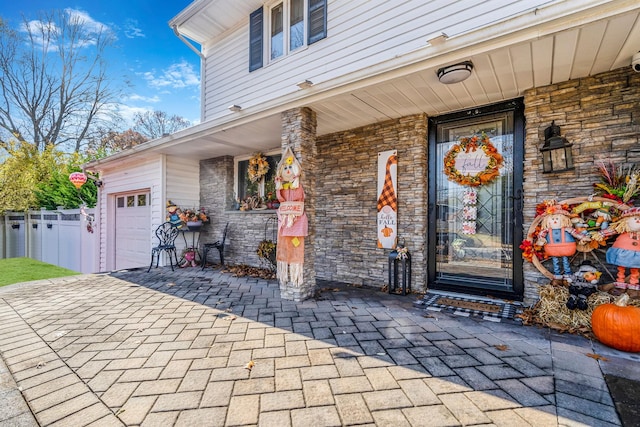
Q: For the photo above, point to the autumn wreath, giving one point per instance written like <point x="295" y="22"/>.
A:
<point x="258" y="167"/>
<point x="470" y="145"/>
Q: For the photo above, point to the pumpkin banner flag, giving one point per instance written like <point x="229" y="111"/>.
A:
<point x="387" y="220"/>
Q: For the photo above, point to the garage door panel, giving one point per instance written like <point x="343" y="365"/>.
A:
<point x="133" y="231"/>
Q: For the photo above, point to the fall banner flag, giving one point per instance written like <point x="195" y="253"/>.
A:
<point x="387" y="219"/>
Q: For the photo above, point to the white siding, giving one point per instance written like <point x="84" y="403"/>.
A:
<point x="183" y="189"/>
<point x="132" y="174"/>
<point x="353" y="44"/>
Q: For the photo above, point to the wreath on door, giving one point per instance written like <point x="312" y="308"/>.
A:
<point x="470" y="145"/>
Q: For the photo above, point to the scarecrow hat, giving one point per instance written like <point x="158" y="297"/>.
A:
<point x="631" y="212"/>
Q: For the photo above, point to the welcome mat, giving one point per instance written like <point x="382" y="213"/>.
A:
<point x="467" y="306"/>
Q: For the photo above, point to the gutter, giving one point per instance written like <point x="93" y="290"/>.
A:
<point x="187" y="42"/>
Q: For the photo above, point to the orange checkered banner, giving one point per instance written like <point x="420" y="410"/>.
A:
<point x="387" y="199"/>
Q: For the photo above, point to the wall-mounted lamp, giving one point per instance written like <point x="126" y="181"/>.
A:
<point x="455" y="73"/>
<point x="556" y="151"/>
<point x="305" y="84"/>
<point x="234" y="108"/>
<point x="437" y="38"/>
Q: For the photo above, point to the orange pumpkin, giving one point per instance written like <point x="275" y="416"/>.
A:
<point x="617" y="325"/>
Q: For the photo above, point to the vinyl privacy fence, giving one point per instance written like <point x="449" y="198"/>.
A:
<point x="63" y="237"/>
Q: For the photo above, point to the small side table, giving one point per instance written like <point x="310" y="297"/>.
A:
<point x="394" y="263"/>
<point x="195" y="243"/>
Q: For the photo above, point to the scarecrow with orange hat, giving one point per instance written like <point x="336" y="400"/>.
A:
<point x="559" y="240"/>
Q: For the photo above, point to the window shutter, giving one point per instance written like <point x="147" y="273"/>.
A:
<point x="255" y="39"/>
<point x="317" y="20"/>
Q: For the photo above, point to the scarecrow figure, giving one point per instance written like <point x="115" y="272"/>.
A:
<point x="173" y="214"/>
<point x="584" y="284"/>
<point x="625" y="252"/>
<point x="292" y="220"/>
<point x="559" y="240"/>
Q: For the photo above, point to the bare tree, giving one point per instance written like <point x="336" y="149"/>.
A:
<point x="111" y="142"/>
<point x="54" y="85"/>
<point x="155" y="124"/>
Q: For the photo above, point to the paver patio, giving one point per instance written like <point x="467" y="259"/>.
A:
<point x="203" y="348"/>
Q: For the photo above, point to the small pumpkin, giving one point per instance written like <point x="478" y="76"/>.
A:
<point x="617" y="325"/>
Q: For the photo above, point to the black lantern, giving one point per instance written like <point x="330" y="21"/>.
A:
<point x="556" y="151"/>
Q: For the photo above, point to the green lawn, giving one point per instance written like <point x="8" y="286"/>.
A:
<point x="16" y="270"/>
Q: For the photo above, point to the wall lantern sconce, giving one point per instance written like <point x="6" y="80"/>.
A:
<point x="556" y="151"/>
<point x="455" y="73"/>
<point x="305" y="84"/>
<point x="235" y="108"/>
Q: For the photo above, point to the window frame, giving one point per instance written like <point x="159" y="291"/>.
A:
<point x="261" y="45"/>
<point x="243" y="158"/>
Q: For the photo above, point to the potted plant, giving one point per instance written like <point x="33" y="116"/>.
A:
<point x="194" y="218"/>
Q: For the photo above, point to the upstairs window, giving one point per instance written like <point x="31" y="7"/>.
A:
<point x="288" y="26"/>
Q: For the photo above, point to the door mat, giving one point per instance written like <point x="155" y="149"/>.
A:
<point x="467" y="306"/>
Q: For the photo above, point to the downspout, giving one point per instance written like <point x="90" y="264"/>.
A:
<point x="187" y="42"/>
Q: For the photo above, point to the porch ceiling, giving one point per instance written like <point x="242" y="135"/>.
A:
<point x="500" y="73"/>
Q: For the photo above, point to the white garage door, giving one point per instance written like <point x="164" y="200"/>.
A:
<point x="133" y="230"/>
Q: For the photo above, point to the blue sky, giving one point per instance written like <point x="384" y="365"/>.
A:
<point x="164" y="72"/>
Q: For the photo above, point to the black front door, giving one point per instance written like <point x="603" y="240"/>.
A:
<point x="475" y="217"/>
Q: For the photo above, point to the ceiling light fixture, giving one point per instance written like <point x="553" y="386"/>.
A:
<point x="437" y="38"/>
<point x="234" y="108"/>
<point x="455" y="73"/>
<point x="305" y="84"/>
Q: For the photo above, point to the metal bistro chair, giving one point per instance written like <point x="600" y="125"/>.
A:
<point x="219" y="245"/>
<point x="166" y="234"/>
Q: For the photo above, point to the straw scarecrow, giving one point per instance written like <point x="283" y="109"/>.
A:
<point x="292" y="220"/>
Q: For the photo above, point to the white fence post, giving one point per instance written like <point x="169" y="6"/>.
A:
<point x="15" y="236"/>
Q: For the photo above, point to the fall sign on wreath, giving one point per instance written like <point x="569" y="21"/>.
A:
<point x="473" y="161"/>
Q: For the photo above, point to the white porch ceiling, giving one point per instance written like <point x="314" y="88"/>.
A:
<point x="499" y="74"/>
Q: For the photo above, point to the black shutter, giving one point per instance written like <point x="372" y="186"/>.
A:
<point x="255" y="39"/>
<point x="317" y="20"/>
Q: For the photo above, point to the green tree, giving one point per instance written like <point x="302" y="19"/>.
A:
<point x="31" y="179"/>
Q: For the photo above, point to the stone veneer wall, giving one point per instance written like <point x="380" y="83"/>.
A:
<point x="246" y="229"/>
<point x="346" y="185"/>
<point x="600" y="115"/>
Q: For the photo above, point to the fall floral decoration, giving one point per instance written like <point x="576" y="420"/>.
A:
<point x="193" y="215"/>
<point x="258" y="167"/>
<point x="617" y="182"/>
<point x="470" y="145"/>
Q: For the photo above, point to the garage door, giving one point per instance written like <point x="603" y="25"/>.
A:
<point x="133" y="230"/>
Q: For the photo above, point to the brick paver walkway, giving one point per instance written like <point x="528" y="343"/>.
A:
<point x="195" y="348"/>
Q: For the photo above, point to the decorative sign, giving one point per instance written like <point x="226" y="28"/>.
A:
<point x="473" y="161"/>
<point x="78" y="179"/>
<point x="291" y="208"/>
<point x="387" y="199"/>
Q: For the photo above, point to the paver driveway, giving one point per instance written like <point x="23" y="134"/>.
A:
<point x="196" y="348"/>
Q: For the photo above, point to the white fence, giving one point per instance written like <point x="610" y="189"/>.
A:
<point x="62" y="237"/>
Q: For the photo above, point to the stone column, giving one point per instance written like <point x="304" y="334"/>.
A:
<point x="299" y="133"/>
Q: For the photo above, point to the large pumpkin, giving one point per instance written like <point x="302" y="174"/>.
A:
<point x="617" y="325"/>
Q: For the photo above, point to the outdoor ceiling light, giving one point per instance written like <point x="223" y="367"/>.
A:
<point x="455" y="73"/>
<point x="437" y="38"/>
<point x="305" y="84"/>
<point x="234" y="108"/>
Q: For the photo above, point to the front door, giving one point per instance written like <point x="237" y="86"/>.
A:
<point x="475" y="201"/>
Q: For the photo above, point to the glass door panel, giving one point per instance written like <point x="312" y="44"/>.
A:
<point x="474" y="227"/>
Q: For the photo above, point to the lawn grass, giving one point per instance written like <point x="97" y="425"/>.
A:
<point x="16" y="270"/>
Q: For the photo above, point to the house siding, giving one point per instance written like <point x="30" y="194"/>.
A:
<point x="143" y="173"/>
<point x="351" y="45"/>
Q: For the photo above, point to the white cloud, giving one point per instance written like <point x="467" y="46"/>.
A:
<point x="142" y="98"/>
<point x="176" y="76"/>
<point x="127" y="112"/>
<point x="132" y="30"/>
<point x="46" y="32"/>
